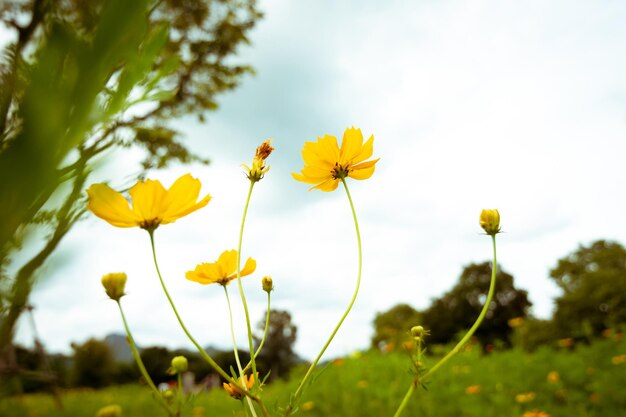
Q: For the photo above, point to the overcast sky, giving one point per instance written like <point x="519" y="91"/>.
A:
<point x="519" y="106"/>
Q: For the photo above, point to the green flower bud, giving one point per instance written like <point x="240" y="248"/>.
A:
<point x="417" y="331"/>
<point x="114" y="284"/>
<point x="180" y="364"/>
<point x="268" y="284"/>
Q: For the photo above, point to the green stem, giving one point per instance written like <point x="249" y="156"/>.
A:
<point x="180" y="394"/>
<point x="140" y="365"/>
<point x="468" y="335"/>
<point x="232" y="333"/>
<point x="298" y="392"/>
<point x="202" y="352"/>
<point x="241" y="293"/>
<point x="235" y="350"/>
<point x="267" y="325"/>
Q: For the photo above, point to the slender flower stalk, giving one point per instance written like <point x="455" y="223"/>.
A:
<point x="300" y="388"/>
<point x="235" y="350"/>
<point x="267" y="325"/>
<point x="492" y="286"/>
<point x="140" y="365"/>
<point x="202" y="352"/>
<point x="241" y="292"/>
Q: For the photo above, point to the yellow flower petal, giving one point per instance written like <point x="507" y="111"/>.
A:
<point x="228" y="262"/>
<point x="362" y="174"/>
<point x="248" y="268"/>
<point x="327" y="186"/>
<point x="147" y="199"/>
<point x="351" y="145"/>
<point x="111" y="206"/>
<point x="328" y="149"/>
<point x="366" y="151"/>
<point x="180" y="199"/>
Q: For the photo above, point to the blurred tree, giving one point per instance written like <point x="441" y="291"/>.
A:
<point x="457" y="310"/>
<point x="533" y="333"/>
<point x="157" y="360"/>
<point x="392" y="327"/>
<point x="82" y="78"/>
<point x="93" y="364"/>
<point x="593" y="280"/>
<point x="277" y="355"/>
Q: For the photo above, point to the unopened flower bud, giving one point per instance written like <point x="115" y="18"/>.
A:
<point x="268" y="284"/>
<point x="417" y="331"/>
<point x="112" y="410"/>
<point x="258" y="168"/>
<point x="180" y="364"/>
<point x="114" y="284"/>
<point x="490" y="221"/>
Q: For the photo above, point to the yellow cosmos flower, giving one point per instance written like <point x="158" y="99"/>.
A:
<point x="222" y="271"/>
<point x="325" y="163"/>
<point x="234" y="392"/>
<point x="152" y="204"/>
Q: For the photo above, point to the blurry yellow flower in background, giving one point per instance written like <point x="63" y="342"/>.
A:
<point x="308" y="406"/>
<point x="567" y="342"/>
<point x="516" y="322"/>
<point x="152" y="204"/>
<point x="222" y="271"/>
<point x="112" y="410"/>
<point x="325" y="164"/>
<point x="525" y="397"/>
<point x="535" y="413"/>
<point x="618" y="360"/>
<point x="472" y="389"/>
<point x="553" y="377"/>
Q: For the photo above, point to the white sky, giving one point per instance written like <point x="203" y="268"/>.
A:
<point x="519" y="106"/>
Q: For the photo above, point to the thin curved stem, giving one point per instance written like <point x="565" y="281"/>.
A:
<point x="235" y="350"/>
<point x="300" y="388"/>
<point x="202" y="352"/>
<point x="232" y="332"/>
<point x="140" y="365"/>
<point x="241" y="293"/>
<point x="479" y="320"/>
<point x="267" y="325"/>
<point x="463" y="341"/>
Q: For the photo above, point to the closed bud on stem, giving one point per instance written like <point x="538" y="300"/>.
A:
<point x="180" y="364"/>
<point x="114" y="284"/>
<point x="257" y="170"/>
<point x="490" y="221"/>
<point x="417" y="331"/>
<point x="268" y="284"/>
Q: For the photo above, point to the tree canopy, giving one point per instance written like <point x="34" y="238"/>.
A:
<point x="457" y="309"/>
<point x="83" y="78"/>
<point x="593" y="280"/>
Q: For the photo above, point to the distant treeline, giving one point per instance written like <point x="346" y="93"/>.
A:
<point x="592" y="303"/>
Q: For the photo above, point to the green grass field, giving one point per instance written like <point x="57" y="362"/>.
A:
<point x="582" y="381"/>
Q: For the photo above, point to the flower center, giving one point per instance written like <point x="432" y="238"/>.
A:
<point x="151" y="224"/>
<point x="340" y="171"/>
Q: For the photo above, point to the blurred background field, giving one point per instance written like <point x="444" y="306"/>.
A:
<point x="584" y="380"/>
